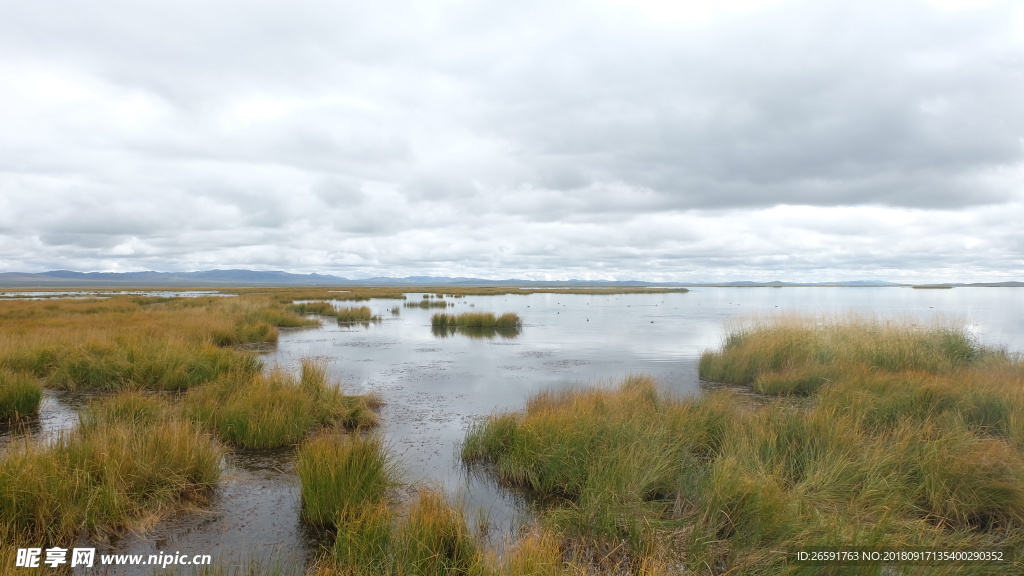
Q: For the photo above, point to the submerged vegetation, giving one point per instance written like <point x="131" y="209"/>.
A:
<point x="894" y="436"/>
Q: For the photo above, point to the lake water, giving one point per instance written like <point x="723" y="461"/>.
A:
<point x="435" y="387"/>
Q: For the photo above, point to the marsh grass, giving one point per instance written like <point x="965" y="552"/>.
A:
<point x="20" y="395"/>
<point x="127" y="343"/>
<point x="430" y="538"/>
<point x="129" y="462"/>
<point x="427" y="303"/>
<point x="894" y="435"/>
<point x="343" y="476"/>
<point x="477" y="320"/>
<point x="356" y="314"/>
<point x="277" y="409"/>
<point x="319" y="308"/>
<point x="476" y="325"/>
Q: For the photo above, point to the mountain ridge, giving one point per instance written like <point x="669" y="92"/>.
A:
<point x="244" y="277"/>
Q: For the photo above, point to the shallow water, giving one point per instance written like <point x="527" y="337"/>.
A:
<point x="435" y="387"/>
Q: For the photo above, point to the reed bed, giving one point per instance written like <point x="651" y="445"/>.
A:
<point x="356" y="314"/>
<point x="20" y="395"/>
<point x="476" y="320"/>
<point x="277" y="409"/>
<point x="318" y="308"/>
<point x="891" y="435"/>
<point x="130" y="461"/>
<point x="427" y="304"/>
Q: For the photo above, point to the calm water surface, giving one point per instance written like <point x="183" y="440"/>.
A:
<point x="435" y="387"/>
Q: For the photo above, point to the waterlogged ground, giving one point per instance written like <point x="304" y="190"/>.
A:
<point x="435" y="387"/>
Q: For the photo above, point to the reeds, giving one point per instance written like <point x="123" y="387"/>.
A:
<point x="476" y="320"/>
<point x="426" y="304"/>
<point x="319" y="308"/>
<point x="20" y="395"/>
<point x="277" y="409"/>
<point x="476" y="325"/>
<point x="356" y="314"/>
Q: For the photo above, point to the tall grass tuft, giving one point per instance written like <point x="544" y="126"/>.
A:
<point x="342" y="476"/>
<point x="356" y="314"/>
<point x="131" y="459"/>
<point x="277" y="409"/>
<point x="434" y="540"/>
<point x="20" y="395"/>
<point x="477" y="320"/>
<point x="427" y="303"/>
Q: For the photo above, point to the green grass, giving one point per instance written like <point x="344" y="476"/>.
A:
<point x="476" y="325"/>
<point x="319" y="308"/>
<point x="888" y="435"/>
<point x="342" y="475"/>
<point x="356" y="314"/>
<point x="20" y="395"/>
<point x="277" y="409"/>
<point x="125" y="364"/>
<point x="118" y="470"/>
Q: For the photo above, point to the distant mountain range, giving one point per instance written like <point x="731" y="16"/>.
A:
<point x="225" y="278"/>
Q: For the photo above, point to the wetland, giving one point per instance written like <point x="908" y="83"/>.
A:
<point x="429" y="386"/>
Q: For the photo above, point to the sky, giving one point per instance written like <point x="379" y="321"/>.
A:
<point x="609" y="139"/>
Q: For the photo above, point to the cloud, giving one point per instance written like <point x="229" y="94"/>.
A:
<point x="620" y="139"/>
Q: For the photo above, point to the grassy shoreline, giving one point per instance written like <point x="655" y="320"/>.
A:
<point x="173" y="387"/>
<point x="894" y="436"/>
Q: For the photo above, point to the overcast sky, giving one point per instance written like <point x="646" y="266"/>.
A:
<point x="612" y="139"/>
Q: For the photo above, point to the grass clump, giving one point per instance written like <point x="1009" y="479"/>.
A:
<point x="131" y="460"/>
<point x="356" y="314"/>
<point x="318" y="308"/>
<point x="477" y="320"/>
<point x="276" y="409"/>
<point x="892" y="436"/>
<point x="20" y="395"/>
<point x="430" y="539"/>
<point x="426" y="303"/>
<point x="476" y="324"/>
<point x="342" y="476"/>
